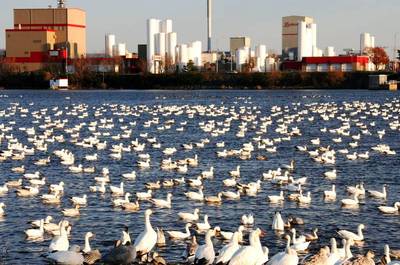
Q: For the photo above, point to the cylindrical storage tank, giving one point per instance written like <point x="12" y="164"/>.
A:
<point x="160" y="44"/>
<point x="110" y="42"/>
<point x="365" y="41"/>
<point x="372" y="42"/>
<point x="153" y="27"/>
<point x="172" y="39"/>
<point x="166" y="26"/>
<point x="196" y="53"/>
<point x="242" y="56"/>
<point x="261" y="51"/>
<point x="183" y="54"/>
<point x="119" y="49"/>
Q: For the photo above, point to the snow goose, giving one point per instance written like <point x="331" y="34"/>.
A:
<point x="207" y="174"/>
<point x="131" y="206"/>
<point x="180" y="235"/>
<point x="276" y="198"/>
<point x="277" y="223"/>
<point x="189" y="217"/>
<point x="378" y="194"/>
<point x="3" y="189"/>
<point x="205" y="225"/>
<point x="197" y="182"/>
<point x="205" y="254"/>
<point x="345" y="234"/>
<point x="28" y="191"/>
<point x="231" y="195"/>
<point x="147" y="239"/>
<point x="304" y="199"/>
<point x="330" y="194"/>
<point x="161" y="203"/>
<point x="71" y="212"/>
<point x="228" y="235"/>
<point x="61" y="242"/>
<point x="313" y="236"/>
<point x="387" y="257"/>
<point x="119" y="202"/>
<point x="390" y="210"/>
<point x="226" y="253"/>
<point x="231" y="182"/>
<point x="251" y="254"/>
<point x="195" y="196"/>
<point x="117" y="190"/>
<point x="35" y="233"/>
<point x="214" y="199"/>
<point x="100" y="189"/>
<point x="287" y="257"/>
<point x="350" y="202"/>
<point x="87" y="247"/>
<point x="331" y="174"/>
<point x="57" y="187"/>
<point x="144" y="195"/>
<point x="161" y="242"/>
<point x="79" y="200"/>
<point x="334" y="255"/>
<point x="14" y="183"/>
<point x="247" y="219"/>
<point x="235" y="173"/>
<point x="130" y="176"/>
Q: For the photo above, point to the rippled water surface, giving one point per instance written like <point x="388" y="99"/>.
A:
<point x="119" y="107"/>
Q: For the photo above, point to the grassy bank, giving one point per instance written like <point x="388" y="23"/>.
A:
<point x="195" y="80"/>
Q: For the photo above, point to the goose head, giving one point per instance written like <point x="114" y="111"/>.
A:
<point x="148" y="212"/>
<point x="89" y="235"/>
<point x="196" y="211"/>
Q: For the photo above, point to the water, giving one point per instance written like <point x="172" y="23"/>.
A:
<point x="107" y="222"/>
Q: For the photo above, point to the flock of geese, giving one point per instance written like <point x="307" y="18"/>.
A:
<point x="79" y="138"/>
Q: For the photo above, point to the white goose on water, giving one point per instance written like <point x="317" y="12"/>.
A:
<point x="195" y="196"/>
<point x="147" y="239"/>
<point x="205" y="254"/>
<point x="205" y="225"/>
<point x="117" y="190"/>
<point x="252" y="254"/>
<point x="180" y="235"/>
<point x="330" y="194"/>
<point x="144" y="195"/>
<point x="189" y="217"/>
<point x="350" y="235"/>
<point x="61" y="242"/>
<point x="277" y="223"/>
<point x="226" y="253"/>
<point x="378" y="194"/>
<point x="389" y="209"/>
<point x="287" y="257"/>
<point x="35" y="233"/>
<point x="161" y="203"/>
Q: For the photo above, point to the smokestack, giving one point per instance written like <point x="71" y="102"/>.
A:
<point x="209" y="21"/>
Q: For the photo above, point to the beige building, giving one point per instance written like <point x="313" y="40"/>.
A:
<point x="239" y="42"/>
<point x="41" y="35"/>
<point x="290" y="35"/>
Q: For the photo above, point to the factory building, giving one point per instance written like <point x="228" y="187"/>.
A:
<point x="109" y="45"/>
<point x="239" y="42"/>
<point x="114" y="49"/>
<point x="191" y="52"/>
<point x="45" y="35"/>
<point x="292" y="37"/>
<point x="161" y="44"/>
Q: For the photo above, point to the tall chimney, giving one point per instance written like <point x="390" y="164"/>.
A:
<point x="209" y="22"/>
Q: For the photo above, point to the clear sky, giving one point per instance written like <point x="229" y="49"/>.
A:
<point x="339" y="22"/>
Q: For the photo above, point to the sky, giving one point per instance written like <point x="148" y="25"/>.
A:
<point x="339" y="22"/>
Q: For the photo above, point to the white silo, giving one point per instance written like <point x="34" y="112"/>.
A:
<point x="365" y="42"/>
<point x="160" y="44"/>
<point x="109" y="43"/>
<point x="196" y="53"/>
<point x="372" y="42"/>
<point x="314" y="34"/>
<point x="183" y="54"/>
<point x="261" y="54"/>
<point x="153" y="27"/>
<point x="172" y="39"/>
<point x="166" y="26"/>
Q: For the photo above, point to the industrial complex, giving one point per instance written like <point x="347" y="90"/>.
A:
<point x="55" y="37"/>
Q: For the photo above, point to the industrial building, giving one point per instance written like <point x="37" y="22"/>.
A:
<point x="161" y="44"/>
<point x="236" y="43"/>
<point x="45" y="35"/>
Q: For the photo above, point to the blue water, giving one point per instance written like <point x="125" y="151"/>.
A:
<point x="107" y="222"/>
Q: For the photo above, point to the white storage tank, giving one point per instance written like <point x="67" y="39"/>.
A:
<point x="119" y="49"/>
<point x="109" y="44"/>
<point x="365" y="41"/>
<point x="242" y="56"/>
<point x="196" y="53"/>
<point x="172" y="39"/>
<point x="166" y="26"/>
<point x="183" y="54"/>
<point x="160" y="44"/>
<point x="153" y="27"/>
